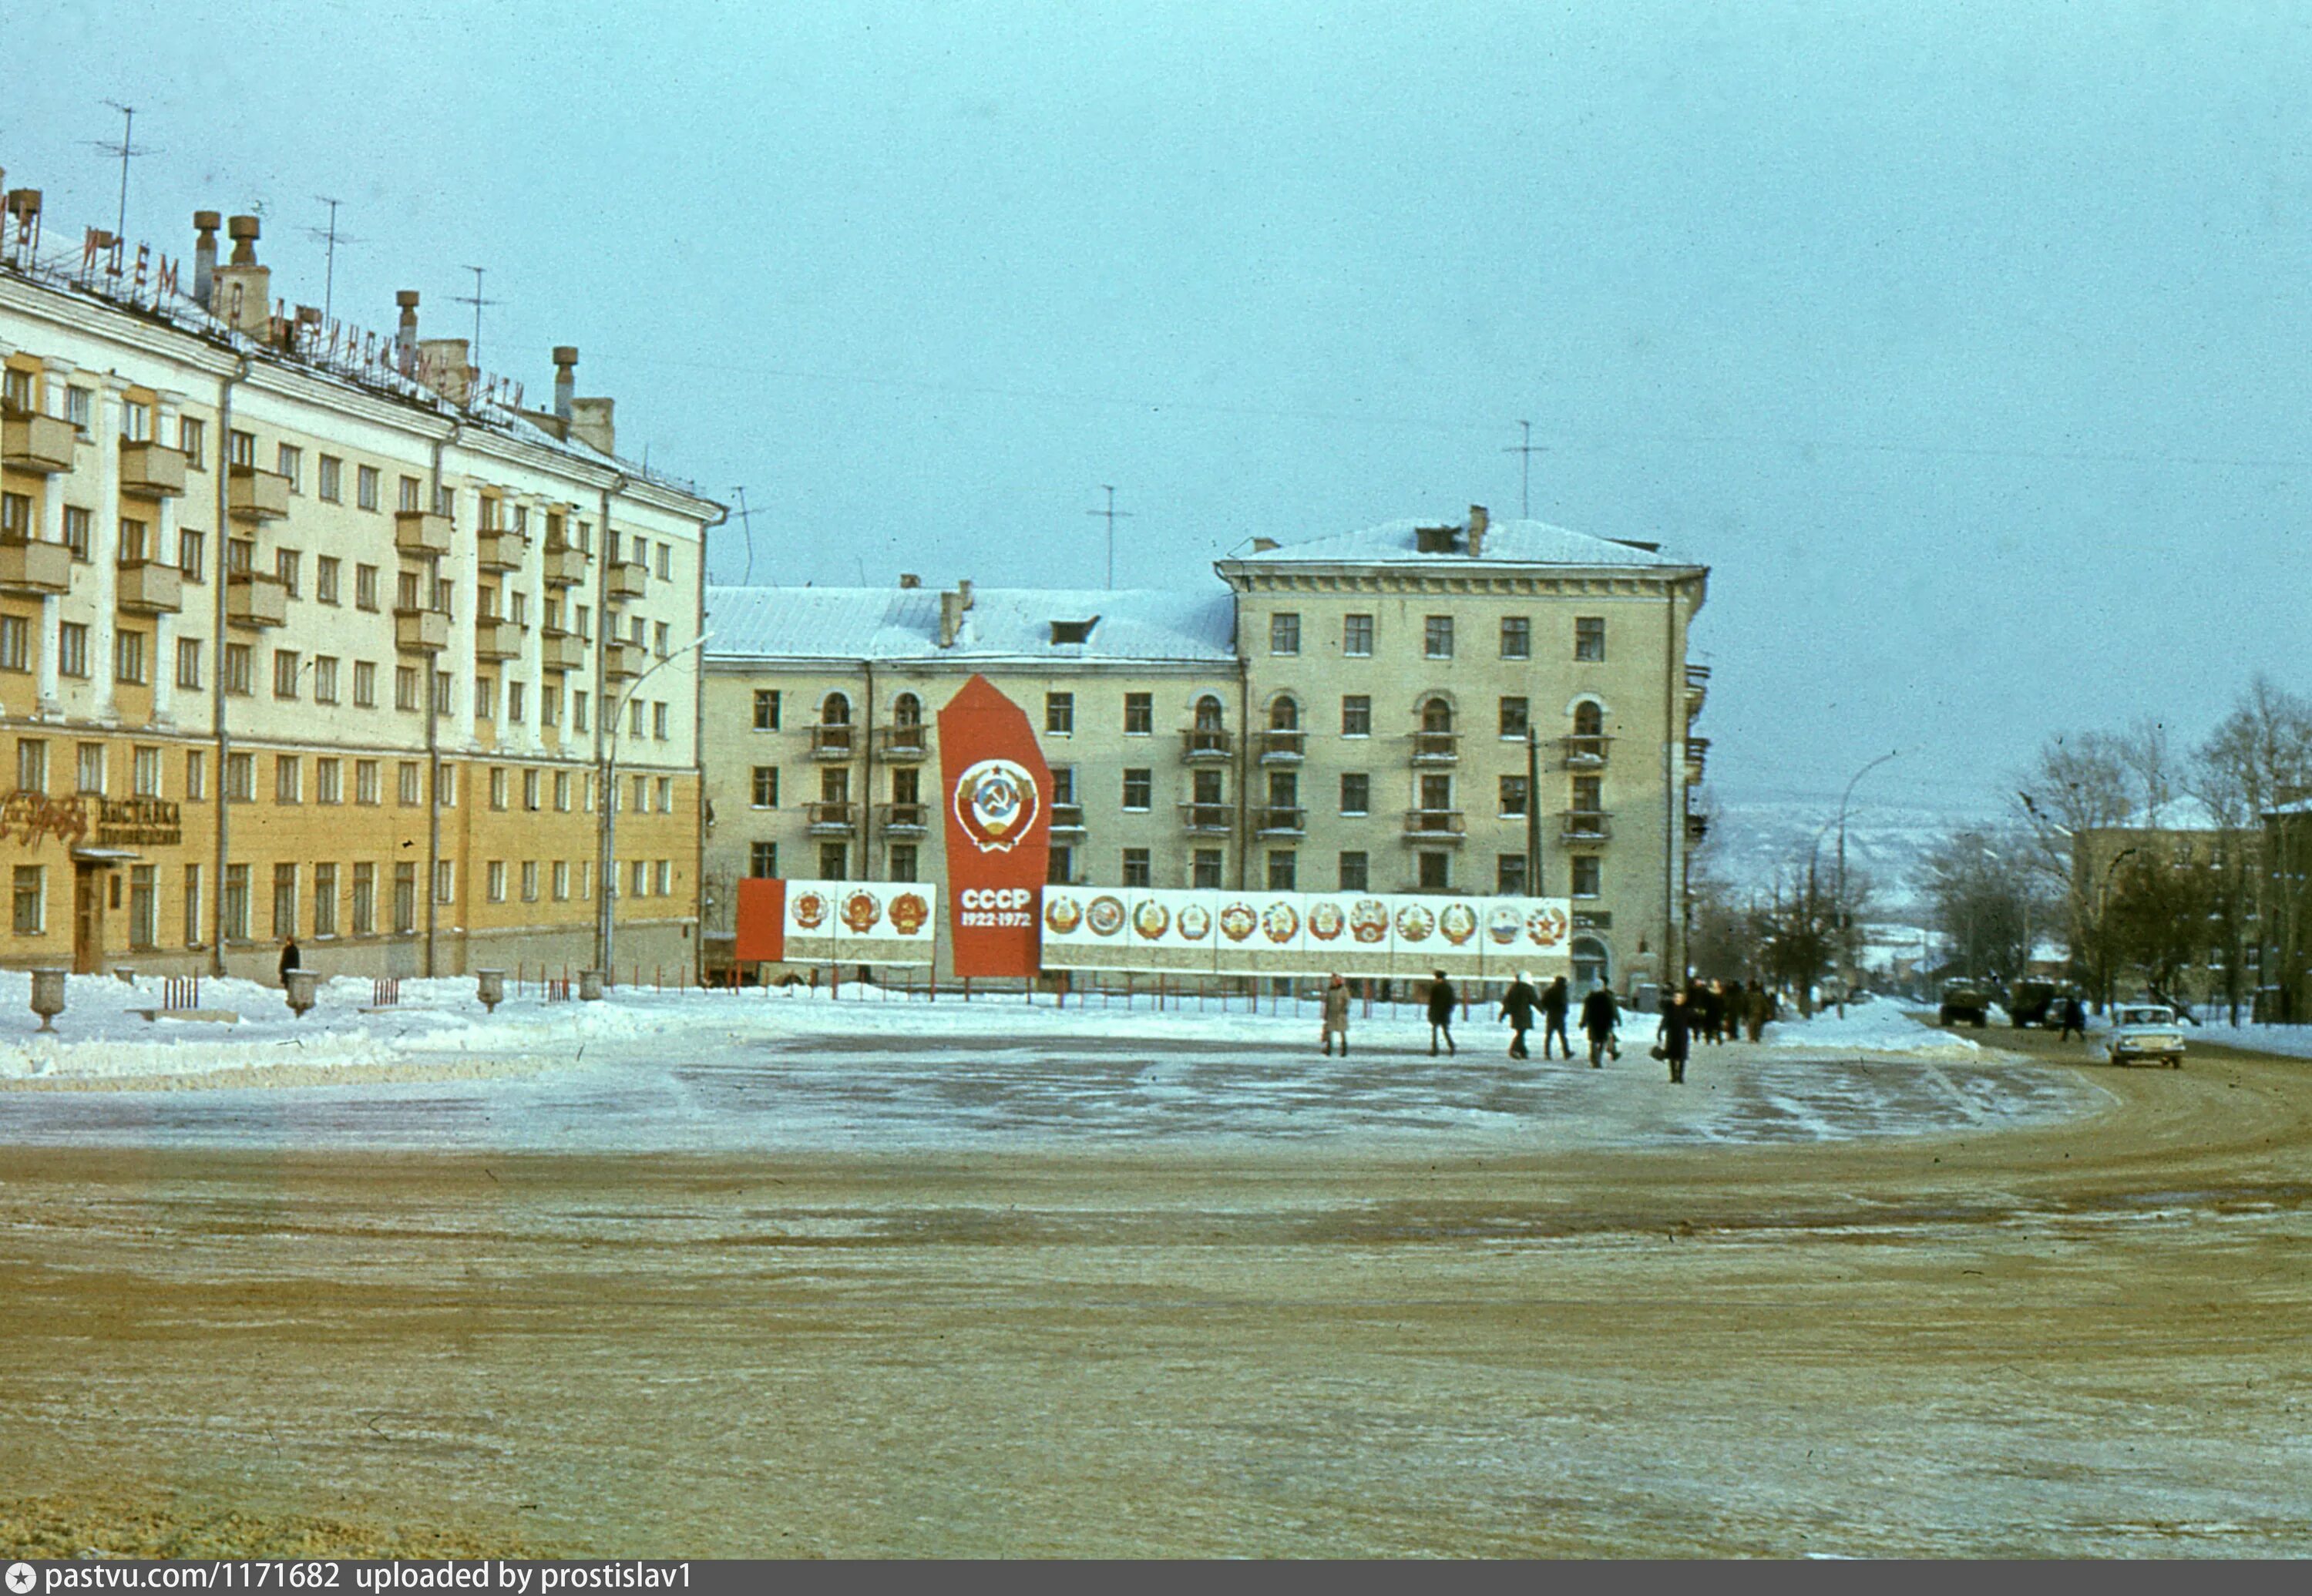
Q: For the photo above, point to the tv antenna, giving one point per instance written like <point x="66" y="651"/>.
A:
<point x="746" y="532"/>
<point x="330" y="237"/>
<point x="124" y="149"/>
<point x="1526" y="451"/>
<point x="1110" y="515"/>
<point x="475" y="299"/>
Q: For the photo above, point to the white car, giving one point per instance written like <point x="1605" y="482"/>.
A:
<point x="2146" y="1031"/>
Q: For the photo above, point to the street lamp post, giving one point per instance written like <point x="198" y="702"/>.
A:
<point x="607" y="822"/>
<point x="1844" y="960"/>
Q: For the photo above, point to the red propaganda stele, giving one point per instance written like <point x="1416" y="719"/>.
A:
<point x="998" y="831"/>
<point x="761" y="921"/>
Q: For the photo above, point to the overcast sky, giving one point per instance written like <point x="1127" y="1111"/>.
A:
<point x="1966" y="344"/>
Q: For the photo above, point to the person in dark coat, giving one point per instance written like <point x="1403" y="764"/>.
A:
<point x="1757" y="1008"/>
<point x="1675" y="1033"/>
<point x="1518" y="1004"/>
<point x="1715" y="1016"/>
<point x="2075" y="1019"/>
<point x="289" y="960"/>
<point x="1599" y="1014"/>
<point x="1442" y="999"/>
<point x="1555" y="1002"/>
<point x="1336" y="1016"/>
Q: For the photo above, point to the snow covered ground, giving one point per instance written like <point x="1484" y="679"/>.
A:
<point x="797" y="1070"/>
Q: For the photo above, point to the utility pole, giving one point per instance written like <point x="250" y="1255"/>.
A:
<point x="1111" y="512"/>
<point x="1525" y="450"/>
<point x="1840" y="906"/>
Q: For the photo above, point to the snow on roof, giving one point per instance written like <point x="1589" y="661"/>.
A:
<point x="881" y="623"/>
<point x="1509" y="541"/>
<point x="2176" y="814"/>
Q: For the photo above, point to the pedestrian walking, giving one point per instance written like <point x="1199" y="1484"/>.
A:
<point x="1555" y="1002"/>
<point x="1336" y="1016"/>
<point x="1518" y="1004"/>
<point x="1757" y="1008"/>
<point x="289" y="959"/>
<point x="1675" y="1033"/>
<point x="2075" y="1020"/>
<point x="1599" y="1014"/>
<point x="1442" y="999"/>
<point x="1716" y="1018"/>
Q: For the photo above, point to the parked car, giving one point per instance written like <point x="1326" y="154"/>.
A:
<point x="2145" y="1033"/>
<point x="1965" y="999"/>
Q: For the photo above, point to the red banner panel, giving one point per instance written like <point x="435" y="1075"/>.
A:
<point x="999" y="830"/>
<point x="761" y="921"/>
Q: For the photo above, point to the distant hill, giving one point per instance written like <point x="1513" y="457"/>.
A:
<point x="1757" y="831"/>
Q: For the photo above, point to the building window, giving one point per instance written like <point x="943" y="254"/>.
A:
<point x="331" y="484"/>
<point x="1356" y="715"/>
<point x="834" y="861"/>
<point x="292" y="463"/>
<point x="530" y="880"/>
<point x="193" y="438"/>
<point x="663" y="874"/>
<point x="236" y="903"/>
<point x="239" y="556"/>
<point x="666" y="793"/>
<point x="561" y="791"/>
<point x="134" y="536"/>
<point x="135" y="421"/>
<point x="1139" y="787"/>
<point x="517" y="702"/>
<point x="405" y="896"/>
<point x="1514" y="719"/>
<point x="366" y="587"/>
<point x="31" y="765"/>
<point x="15" y="643"/>
<point x="325" y="579"/>
<point x="445" y="784"/>
<point x="497" y="786"/>
<point x="903" y="861"/>
<point x="1060" y="713"/>
<point x="766" y="710"/>
<point x="1517" y="637"/>
<point x="365" y="486"/>
<point x="1135" y="867"/>
<point x="1284" y="633"/>
<point x="1437" y="637"/>
<point x="240" y="778"/>
<point x="16" y="517"/>
<point x="1357" y="636"/>
<point x="191" y="550"/>
<point x="410" y="784"/>
<point x="128" y="658"/>
<point x="493" y="881"/>
<point x="365" y="781"/>
<point x="189" y="662"/>
<point x="1204" y="869"/>
<point x="1587" y="869"/>
<point x="196" y="775"/>
<point x="79" y="403"/>
<point x="1356" y="875"/>
<point x="193" y="938"/>
<point x="485" y="697"/>
<point x="763" y="860"/>
<point x="288" y="779"/>
<point x="31" y="900"/>
<point x="325" y="679"/>
<point x="284" y="672"/>
<point x="445" y="700"/>
<point x="405" y="687"/>
<point x="1514" y="796"/>
<point x="445" y="880"/>
<point x="409" y="491"/>
<point x="143" y="907"/>
<point x="240" y="669"/>
<point x="1060" y="864"/>
<point x="76" y="531"/>
<point x="365" y="905"/>
<point x="325" y="897"/>
<point x="1356" y="792"/>
<point x="1139" y="714"/>
<point x="1590" y="638"/>
<point x="561" y="878"/>
<point x="364" y="684"/>
<point x="88" y="768"/>
<point x="144" y="772"/>
<point x="1508" y="875"/>
<point x="1435" y="872"/>
<point x="529" y="790"/>
<point x="72" y="648"/>
<point x="658" y="722"/>
<point x="329" y="780"/>
<point x="241" y="447"/>
<point x="1284" y="870"/>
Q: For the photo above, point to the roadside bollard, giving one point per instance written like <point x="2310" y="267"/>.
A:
<point x="303" y="989"/>
<point x="590" y="986"/>
<point x="490" y="987"/>
<point x="48" y="996"/>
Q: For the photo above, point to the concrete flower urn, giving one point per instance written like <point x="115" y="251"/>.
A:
<point x="303" y="988"/>
<point x="590" y="986"/>
<point x="48" y="996"/>
<point x="489" y="986"/>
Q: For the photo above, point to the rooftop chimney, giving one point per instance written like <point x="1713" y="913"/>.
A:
<point x="591" y="422"/>
<point x="908" y="579"/>
<point x="404" y="337"/>
<point x="1478" y="521"/>
<point x="205" y="223"/>
<point x="566" y="379"/>
<point x="243" y="289"/>
<point x="443" y="366"/>
<point x="952" y="607"/>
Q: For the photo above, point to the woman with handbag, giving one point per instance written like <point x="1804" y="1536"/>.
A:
<point x="1674" y="1031"/>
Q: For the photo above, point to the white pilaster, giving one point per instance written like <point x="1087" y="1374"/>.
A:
<point x="55" y="374"/>
<point x="163" y="551"/>
<point x="105" y="549"/>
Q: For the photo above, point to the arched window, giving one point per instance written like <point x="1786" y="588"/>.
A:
<point x="1284" y="715"/>
<point x="907" y="710"/>
<point x="835" y="710"/>
<point x="1593" y="966"/>
<point x="1436" y="715"/>
<point x="1588" y="720"/>
<point x="1208" y="713"/>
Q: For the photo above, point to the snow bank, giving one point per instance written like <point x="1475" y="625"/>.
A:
<point x="1877" y="1025"/>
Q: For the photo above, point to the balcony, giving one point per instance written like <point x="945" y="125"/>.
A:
<point x="34" y="567"/>
<point x="252" y="599"/>
<point x="1067" y="820"/>
<point x="421" y="533"/>
<point x="148" y="587"/>
<point x="832" y="742"/>
<point x="1206" y="819"/>
<point x="251" y="494"/>
<point x="623" y="580"/>
<point x="565" y="565"/>
<point x="1585" y="825"/>
<point x="832" y="819"/>
<point x="1584" y="753"/>
<point x="1203" y="744"/>
<point x="495" y="638"/>
<point x="905" y="820"/>
<point x="621" y="662"/>
<point x="1698" y="758"/>
<point x="1280" y="822"/>
<point x="1278" y="746"/>
<point x="1697" y="688"/>
<point x="1433" y="826"/>
<point x="500" y="550"/>
<point x="33" y="443"/>
<point x="421" y="631"/>
<point x="1436" y="748"/>
<point x="561" y="650"/>
<point x="904" y="744"/>
<point x="149" y="471"/>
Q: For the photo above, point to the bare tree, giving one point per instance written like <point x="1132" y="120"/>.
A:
<point x="1989" y="899"/>
<point x="2258" y="758"/>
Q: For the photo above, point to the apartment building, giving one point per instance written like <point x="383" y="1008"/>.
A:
<point x="308" y="632"/>
<point x="1464" y="707"/>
